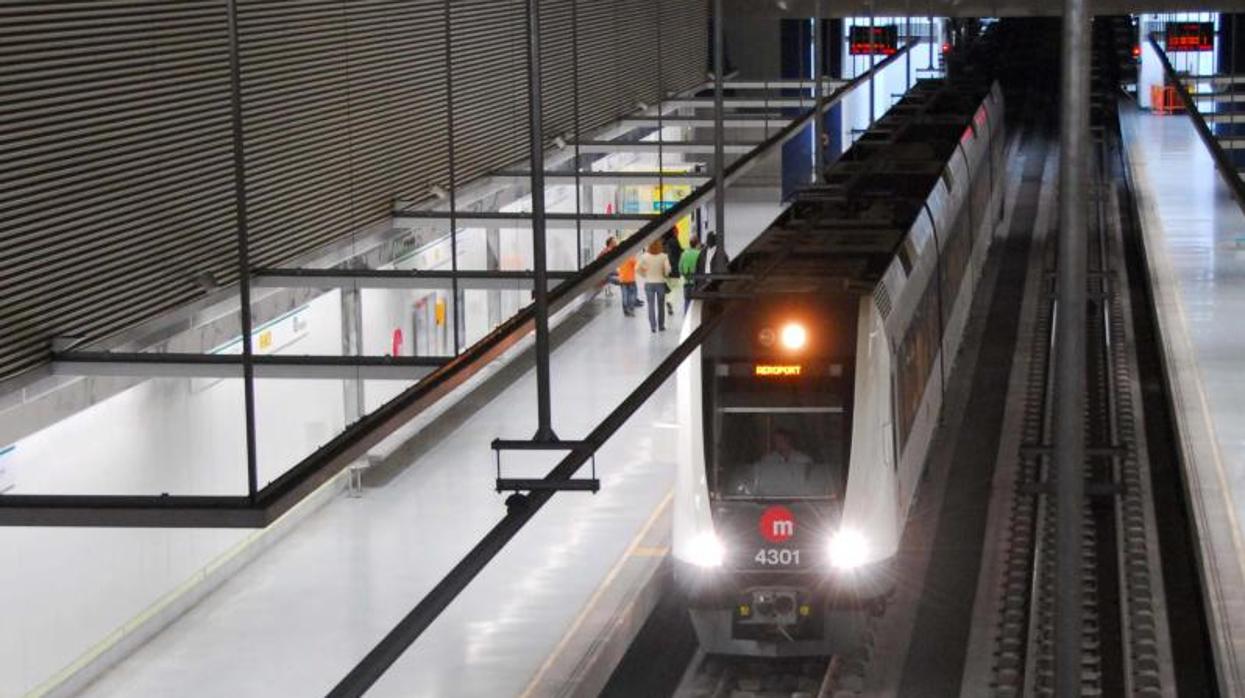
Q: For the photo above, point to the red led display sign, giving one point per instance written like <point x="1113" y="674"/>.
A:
<point x="883" y="42"/>
<point x="1190" y="36"/>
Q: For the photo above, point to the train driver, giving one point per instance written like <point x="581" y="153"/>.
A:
<point x="783" y="472"/>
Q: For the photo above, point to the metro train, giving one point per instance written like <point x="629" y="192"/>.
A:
<point x="807" y="413"/>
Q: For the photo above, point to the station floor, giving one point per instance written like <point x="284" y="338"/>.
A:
<point x="298" y="618"/>
<point x="1194" y="234"/>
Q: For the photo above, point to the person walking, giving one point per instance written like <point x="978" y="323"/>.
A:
<point x="626" y="282"/>
<point x="652" y="269"/>
<point x="687" y="269"/>
<point x="712" y="257"/>
<point x="670" y="244"/>
<point x="612" y="280"/>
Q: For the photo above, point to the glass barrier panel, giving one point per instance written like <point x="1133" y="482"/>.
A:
<point x="149" y="436"/>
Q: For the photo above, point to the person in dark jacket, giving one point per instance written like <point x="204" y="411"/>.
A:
<point x="712" y="257"/>
<point x="670" y="245"/>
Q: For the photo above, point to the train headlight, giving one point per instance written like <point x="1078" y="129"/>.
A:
<point x="706" y="550"/>
<point x="793" y="336"/>
<point x="848" y="549"/>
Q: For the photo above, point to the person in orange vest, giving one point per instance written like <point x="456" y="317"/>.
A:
<point x="626" y="281"/>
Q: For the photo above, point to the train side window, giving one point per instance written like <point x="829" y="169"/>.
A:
<point x="948" y="179"/>
<point x="916" y="359"/>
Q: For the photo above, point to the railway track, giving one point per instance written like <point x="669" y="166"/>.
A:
<point x="1125" y="647"/>
<point x="716" y="676"/>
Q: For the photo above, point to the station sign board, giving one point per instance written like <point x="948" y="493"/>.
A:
<point x="873" y="41"/>
<point x="1190" y="36"/>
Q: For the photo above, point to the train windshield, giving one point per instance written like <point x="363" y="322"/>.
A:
<point x="779" y="439"/>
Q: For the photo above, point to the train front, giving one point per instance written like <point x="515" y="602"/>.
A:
<point x="761" y="545"/>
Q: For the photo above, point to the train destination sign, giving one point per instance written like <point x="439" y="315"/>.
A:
<point x="884" y="40"/>
<point x="1190" y="36"/>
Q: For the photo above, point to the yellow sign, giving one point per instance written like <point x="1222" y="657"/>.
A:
<point x="777" y="370"/>
<point x="439" y="310"/>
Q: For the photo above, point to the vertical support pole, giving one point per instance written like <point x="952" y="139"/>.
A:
<point x="819" y="124"/>
<point x="933" y="43"/>
<point x="1074" y="164"/>
<point x="579" y="196"/>
<point x="457" y="323"/>
<point x="661" y="98"/>
<point x="719" y="144"/>
<point x="873" y="61"/>
<point x="352" y="345"/>
<point x="492" y="262"/>
<point x="544" y="415"/>
<point x="244" y="254"/>
<point x="907" y="32"/>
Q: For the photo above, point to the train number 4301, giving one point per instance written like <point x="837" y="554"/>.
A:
<point x="777" y="556"/>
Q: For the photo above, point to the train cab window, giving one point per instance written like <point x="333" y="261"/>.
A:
<point x="779" y="439"/>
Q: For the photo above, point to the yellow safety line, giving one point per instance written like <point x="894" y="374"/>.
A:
<point x="633" y="550"/>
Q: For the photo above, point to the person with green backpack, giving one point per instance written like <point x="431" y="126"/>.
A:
<point x="687" y="269"/>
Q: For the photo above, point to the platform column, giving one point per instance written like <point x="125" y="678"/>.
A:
<point x="819" y="124"/>
<point x="1070" y="348"/>
<point x="544" y="416"/>
<point x="719" y="144"/>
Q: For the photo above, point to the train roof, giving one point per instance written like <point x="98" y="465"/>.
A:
<point x="843" y="234"/>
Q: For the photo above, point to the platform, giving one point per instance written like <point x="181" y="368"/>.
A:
<point x="298" y="618"/>
<point x="1194" y="235"/>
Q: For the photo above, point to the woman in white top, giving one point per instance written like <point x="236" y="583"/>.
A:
<point x="652" y="270"/>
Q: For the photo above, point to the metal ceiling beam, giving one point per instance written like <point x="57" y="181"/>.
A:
<point x="494" y="219"/>
<point x="1217" y="79"/>
<point x="608" y="178"/>
<point x="667" y="146"/>
<point x="739" y="103"/>
<point x="474" y="280"/>
<point x="827" y="83"/>
<point x="1218" y="96"/>
<point x="758" y="121"/>
<point x="168" y="365"/>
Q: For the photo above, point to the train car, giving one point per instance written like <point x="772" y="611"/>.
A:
<point x="807" y="413"/>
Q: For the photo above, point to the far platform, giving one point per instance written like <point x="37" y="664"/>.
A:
<point x="1194" y="236"/>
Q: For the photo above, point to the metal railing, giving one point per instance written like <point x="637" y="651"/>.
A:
<point x="280" y="495"/>
<point x="1217" y="152"/>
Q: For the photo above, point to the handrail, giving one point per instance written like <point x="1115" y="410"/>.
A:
<point x="1217" y="153"/>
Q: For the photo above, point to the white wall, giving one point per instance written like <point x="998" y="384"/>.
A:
<point x="63" y="591"/>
